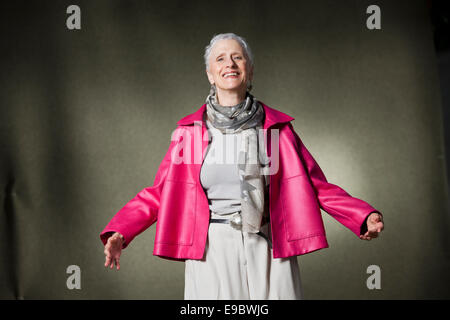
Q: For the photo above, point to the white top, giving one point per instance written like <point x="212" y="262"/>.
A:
<point x="219" y="174"/>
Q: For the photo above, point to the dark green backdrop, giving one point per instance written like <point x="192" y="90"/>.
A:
<point x="86" y="118"/>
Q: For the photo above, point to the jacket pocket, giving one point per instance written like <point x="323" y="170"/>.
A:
<point x="301" y="211"/>
<point x="177" y="213"/>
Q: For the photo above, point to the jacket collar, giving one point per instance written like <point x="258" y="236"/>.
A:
<point x="272" y="117"/>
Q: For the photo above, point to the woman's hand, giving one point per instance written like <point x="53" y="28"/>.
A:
<point x="113" y="249"/>
<point x="374" y="226"/>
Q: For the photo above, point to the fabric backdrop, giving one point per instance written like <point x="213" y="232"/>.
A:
<point x="86" y="117"/>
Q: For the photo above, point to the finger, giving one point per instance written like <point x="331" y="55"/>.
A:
<point x="118" y="263"/>
<point x="107" y="261"/>
<point x="379" y="226"/>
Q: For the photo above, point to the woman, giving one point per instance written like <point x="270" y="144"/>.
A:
<point x="237" y="217"/>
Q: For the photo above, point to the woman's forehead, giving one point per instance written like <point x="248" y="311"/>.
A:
<point x="226" y="45"/>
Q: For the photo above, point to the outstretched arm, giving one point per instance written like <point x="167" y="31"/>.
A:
<point x="349" y="211"/>
<point x="142" y="211"/>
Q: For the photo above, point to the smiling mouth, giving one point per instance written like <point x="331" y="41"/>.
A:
<point x="231" y="74"/>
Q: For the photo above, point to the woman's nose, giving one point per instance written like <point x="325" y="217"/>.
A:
<point x="231" y="62"/>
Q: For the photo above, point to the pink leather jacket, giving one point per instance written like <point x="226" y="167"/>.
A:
<point x="177" y="200"/>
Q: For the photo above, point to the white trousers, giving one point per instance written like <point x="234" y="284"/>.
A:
<point x="239" y="266"/>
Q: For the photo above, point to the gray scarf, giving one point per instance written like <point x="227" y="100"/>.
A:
<point x="246" y="117"/>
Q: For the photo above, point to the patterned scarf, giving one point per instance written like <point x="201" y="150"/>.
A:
<point x="246" y="117"/>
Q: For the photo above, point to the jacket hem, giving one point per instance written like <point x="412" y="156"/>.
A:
<point x="175" y="252"/>
<point x="301" y="247"/>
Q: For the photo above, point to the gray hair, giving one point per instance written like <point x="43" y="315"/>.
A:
<point x="222" y="36"/>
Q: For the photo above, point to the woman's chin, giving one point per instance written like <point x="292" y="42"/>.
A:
<point x="233" y="88"/>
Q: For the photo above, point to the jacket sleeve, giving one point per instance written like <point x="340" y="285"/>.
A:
<point x="142" y="211"/>
<point x="349" y="211"/>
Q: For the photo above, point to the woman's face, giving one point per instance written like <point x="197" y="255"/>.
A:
<point x="228" y="66"/>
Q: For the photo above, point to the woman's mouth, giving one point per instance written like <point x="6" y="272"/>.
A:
<point x="231" y="75"/>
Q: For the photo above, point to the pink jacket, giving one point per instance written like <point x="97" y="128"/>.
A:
<point x="177" y="200"/>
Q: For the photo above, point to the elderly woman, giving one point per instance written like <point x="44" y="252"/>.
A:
<point x="236" y="216"/>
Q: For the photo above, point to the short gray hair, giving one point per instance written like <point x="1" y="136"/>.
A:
<point x="222" y="36"/>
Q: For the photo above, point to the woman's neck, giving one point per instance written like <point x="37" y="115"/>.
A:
<point x="229" y="98"/>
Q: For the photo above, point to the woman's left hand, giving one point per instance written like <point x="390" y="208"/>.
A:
<point x="374" y="226"/>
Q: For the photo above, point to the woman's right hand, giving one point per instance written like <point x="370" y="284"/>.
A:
<point x="113" y="249"/>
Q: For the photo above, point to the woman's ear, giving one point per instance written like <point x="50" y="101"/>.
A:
<point x="210" y="77"/>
